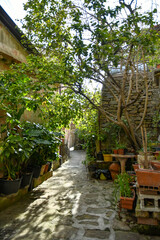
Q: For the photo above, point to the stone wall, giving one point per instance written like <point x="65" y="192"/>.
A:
<point x="135" y="110"/>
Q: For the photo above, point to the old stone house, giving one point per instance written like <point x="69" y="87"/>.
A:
<point x="136" y="110"/>
<point x="14" y="48"/>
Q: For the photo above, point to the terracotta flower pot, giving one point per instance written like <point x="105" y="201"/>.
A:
<point x="148" y="178"/>
<point x="121" y="151"/>
<point x="127" y="202"/>
<point x="115" y="151"/>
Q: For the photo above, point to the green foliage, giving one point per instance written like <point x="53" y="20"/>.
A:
<point x="122" y="186"/>
<point x="33" y="87"/>
<point x="110" y="135"/>
<point x="107" y="151"/>
<point x="88" y="129"/>
<point x="121" y="146"/>
<point x="156" y="119"/>
<point x="91" y="41"/>
<point x="15" y="152"/>
<point x="45" y="143"/>
<point x="89" y="159"/>
<point x="27" y="144"/>
<point x="62" y="109"/>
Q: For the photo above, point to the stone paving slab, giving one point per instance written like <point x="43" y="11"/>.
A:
<point x="69" y="206"/>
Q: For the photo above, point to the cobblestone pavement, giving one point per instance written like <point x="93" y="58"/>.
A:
<point x="68" y="206"/>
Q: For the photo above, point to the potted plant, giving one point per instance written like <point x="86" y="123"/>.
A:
<point x="123" y="191"/>
<point x="45" y="145"/>
<point x="14" y="152"/>
<point x="147" y="172"/>
<point x="107" y="155"/>
<point x="121" y="148"/>
<point x="100" y="156"/>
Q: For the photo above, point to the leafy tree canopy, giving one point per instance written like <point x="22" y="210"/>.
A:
<point x="91" y="40"/>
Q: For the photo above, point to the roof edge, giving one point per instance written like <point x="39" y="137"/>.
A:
<point x="17" y="32"/>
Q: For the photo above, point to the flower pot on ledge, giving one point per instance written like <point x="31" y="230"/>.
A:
<point x="107" y="157"/>
<point x="121" y="151"/>
<point x="115" y="151"/>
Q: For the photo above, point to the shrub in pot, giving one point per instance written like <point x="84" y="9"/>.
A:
<point x="45" y="144"/>
<point x="14" y="152"/>
<point x="123" y="191"/>
<point x="148" y="174"/>
<point x="121" y="148"/>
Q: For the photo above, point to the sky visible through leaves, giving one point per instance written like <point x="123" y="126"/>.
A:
<point x="14" y="8"/>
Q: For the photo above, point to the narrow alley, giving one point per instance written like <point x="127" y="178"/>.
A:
<point x="68" y="206"/>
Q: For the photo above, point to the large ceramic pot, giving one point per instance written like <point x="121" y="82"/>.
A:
<point x="114" y="169"/>
<point x="9" y="186"/>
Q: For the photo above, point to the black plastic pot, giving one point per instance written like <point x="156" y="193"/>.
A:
<point x="9" y="186"/>
<point x="26" y="179"/>
<point x="36" y="171"/>
<point x="100" y="156"/>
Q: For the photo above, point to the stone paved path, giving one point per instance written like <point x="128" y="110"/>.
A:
<point x="68" y="206"/>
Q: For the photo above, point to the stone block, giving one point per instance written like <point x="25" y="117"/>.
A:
<point x="139" y="213"/>
<point x="149" y="203"/>
<point x="119" y="235"/>
<point x="87" y="217"/>
<point x="96" y="233"/>
<point x="147" y="221"/>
